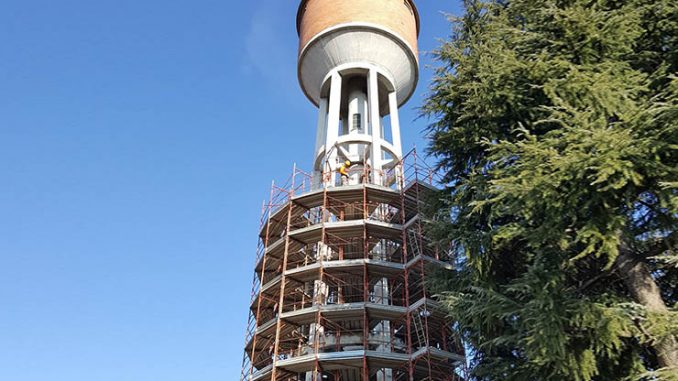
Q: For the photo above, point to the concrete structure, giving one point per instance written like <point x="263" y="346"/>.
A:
<point x="358" y="64"/>
<point x="339" y="290"/>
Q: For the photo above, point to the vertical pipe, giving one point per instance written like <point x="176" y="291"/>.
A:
<point x="375" y="122"/>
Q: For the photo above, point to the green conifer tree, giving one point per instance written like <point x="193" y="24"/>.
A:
<point x="556" y="124"/>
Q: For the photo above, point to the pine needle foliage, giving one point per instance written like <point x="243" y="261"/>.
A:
<point x="556" y="124"/>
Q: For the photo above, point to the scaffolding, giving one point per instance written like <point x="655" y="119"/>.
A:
<point x="339" y="290"/>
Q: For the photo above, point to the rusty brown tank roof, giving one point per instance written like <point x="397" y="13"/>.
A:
<point x="303" y="3"/>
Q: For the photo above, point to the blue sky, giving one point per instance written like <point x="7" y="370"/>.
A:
<point x="138" y="139"/>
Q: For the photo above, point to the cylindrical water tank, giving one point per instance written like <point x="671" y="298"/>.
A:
<point x="338" y="33"/>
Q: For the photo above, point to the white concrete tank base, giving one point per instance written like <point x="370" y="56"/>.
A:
<point x="358" y="43"/>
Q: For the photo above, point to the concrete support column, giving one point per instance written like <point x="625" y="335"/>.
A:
<point x="321" y="131"/>
<point x="395" y="133"/>
<point x="333" y="120"/>
<point x="375" y="123"/>
<point x="320" y="137"/>
<point x="395" y="123"/>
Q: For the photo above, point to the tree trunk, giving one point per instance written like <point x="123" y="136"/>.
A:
<point x="638" y="279"/>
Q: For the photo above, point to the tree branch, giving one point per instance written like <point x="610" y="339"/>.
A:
<point x="660" y="245"/>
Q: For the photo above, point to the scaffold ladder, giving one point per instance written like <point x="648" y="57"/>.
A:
<point x="414" y="242"/>
<point x="419" y="329"/>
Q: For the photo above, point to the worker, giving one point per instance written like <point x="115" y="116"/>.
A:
<point x="344" y="168"/>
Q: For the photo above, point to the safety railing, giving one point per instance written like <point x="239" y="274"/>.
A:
<point x="412" y="168"/>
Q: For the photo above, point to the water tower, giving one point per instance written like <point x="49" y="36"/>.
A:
<point x="339" y="291"/>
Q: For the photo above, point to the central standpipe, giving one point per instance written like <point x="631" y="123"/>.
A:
<point x="356" y="120"/>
